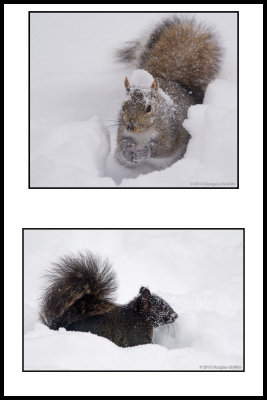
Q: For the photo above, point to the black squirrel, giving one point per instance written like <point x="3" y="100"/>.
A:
<point x="183" y="57"/>
<point x="79" y="298"/>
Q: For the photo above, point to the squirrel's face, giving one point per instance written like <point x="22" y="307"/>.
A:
<point x="156" y="310"/>
<point x="138" y="109"/>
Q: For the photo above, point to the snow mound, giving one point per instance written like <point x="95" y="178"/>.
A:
<point x="64" y="350"/>
<point x="75" y="153"/>
<point x="141" y="78"/>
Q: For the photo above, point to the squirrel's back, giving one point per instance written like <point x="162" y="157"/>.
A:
<point x="179" y="49"/>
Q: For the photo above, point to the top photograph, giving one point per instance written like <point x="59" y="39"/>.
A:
<point x="133" y="100"/>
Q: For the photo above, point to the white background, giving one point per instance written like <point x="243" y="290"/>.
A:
<point x="130" y="208"/>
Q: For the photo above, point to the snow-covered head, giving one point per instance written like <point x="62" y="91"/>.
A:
<point x="140" y="106"/>
<point x="155" y="310"/>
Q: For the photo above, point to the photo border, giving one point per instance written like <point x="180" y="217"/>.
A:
<point x="133" y="187"/>
<point x="146" y="229"/>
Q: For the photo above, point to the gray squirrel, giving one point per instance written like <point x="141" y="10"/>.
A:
<point x="78" y="297"/>
<point x="183" y="57"/>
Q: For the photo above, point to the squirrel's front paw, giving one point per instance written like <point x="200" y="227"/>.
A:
<point x="128" y="152"/>
<point x="132" y="154"/>
<point x="141" y="153"/>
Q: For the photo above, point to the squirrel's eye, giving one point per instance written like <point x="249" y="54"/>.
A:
<point x="148" y="109"/>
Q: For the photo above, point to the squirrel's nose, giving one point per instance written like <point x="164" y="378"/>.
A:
<point x="130" y="126"/>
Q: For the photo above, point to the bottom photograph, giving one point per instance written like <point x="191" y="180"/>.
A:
<point x="133" y="299"/>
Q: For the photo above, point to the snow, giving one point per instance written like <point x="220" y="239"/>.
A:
<point x="198" y="272"/>
<point x="141" y="78"/>
<point x="76" y="93"/>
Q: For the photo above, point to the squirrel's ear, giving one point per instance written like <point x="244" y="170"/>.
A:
<point x="155" y="84"/>
<point x="144" y="292"/>
<point x="127" y="84"/>
<point x="145" y="295"/>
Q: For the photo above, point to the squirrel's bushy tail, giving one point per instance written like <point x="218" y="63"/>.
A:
<point x="179" y="49"/>
<point x="129" y="53"/>
<point x="78" y="287"/>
